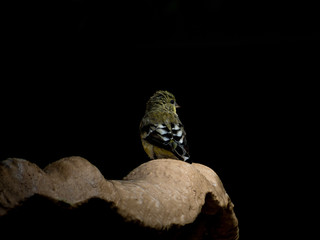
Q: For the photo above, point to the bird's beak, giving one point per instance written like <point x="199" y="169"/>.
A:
<point x="176" y="104"/>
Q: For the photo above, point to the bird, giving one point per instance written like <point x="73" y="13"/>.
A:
<point x="161" y="131"/>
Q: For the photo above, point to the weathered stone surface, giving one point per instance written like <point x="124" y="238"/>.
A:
<point x="160" y="195"/>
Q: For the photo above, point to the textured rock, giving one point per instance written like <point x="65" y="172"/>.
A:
<point x="160" y="195"/>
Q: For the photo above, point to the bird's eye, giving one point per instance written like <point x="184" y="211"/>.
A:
<point x="172" y="101"/>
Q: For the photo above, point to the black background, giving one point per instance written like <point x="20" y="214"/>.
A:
<point x="127" y="24"/>
<point x="78" y="74"/>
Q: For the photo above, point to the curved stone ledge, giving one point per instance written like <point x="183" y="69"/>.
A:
<point x="160" y="194"/>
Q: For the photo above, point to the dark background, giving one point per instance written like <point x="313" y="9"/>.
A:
<point x="78" y="75"/>
<point x="127" y="24"/>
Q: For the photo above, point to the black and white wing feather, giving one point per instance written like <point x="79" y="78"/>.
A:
<point x="171" y="137"/>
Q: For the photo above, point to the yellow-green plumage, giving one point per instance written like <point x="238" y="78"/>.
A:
<point x="162" y="133"/>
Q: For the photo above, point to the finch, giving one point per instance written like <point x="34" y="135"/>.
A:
<point x="161" y="131"/>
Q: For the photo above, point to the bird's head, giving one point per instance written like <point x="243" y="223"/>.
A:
<point x="162" y="100"/>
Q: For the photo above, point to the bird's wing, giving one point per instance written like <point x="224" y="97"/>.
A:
<point x="171" y="137"/>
